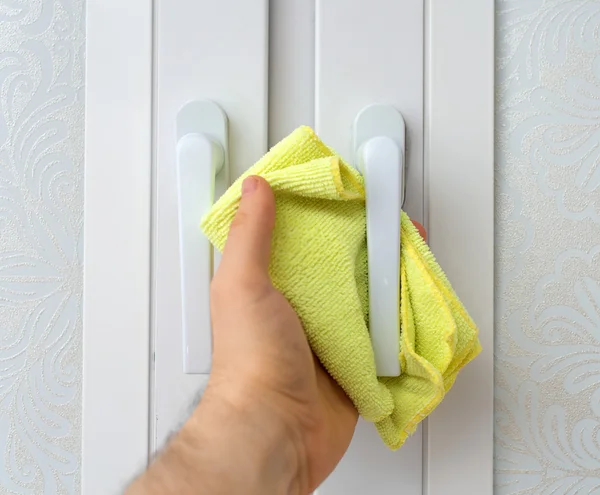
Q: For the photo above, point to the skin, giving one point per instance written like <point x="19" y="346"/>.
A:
<point x="271" y="419"/>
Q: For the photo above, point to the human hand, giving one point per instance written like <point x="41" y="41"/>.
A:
<point x="271" y="419"/>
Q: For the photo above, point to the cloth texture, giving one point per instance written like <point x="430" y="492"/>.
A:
<point x="319" y="263"/>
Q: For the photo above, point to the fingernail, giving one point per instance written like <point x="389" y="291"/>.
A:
<point x="249" y="185"/>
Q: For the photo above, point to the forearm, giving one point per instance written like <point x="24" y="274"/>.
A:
<point x="225" y="449"/>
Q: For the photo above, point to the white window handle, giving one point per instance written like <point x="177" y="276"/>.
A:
<point x="379" y="144"/>
<point x="201" y="166"/>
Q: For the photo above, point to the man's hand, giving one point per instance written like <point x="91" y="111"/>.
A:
<point x="271" y="420"/>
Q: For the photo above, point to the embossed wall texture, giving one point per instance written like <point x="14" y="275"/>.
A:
<point x="548" y="247"/>
<point x="41" y="215"/>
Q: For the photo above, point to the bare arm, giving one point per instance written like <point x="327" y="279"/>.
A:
<point x="271" y="421"/>
<point x="225" y="449"/>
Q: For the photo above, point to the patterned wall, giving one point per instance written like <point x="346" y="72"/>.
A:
<point x="41" y="206"/>
<point x="548" y="247"/>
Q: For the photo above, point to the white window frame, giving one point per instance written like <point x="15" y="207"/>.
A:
<point x="459" y="164"/>
<point x="116" y="306"/>
<point x="458" y="150"/>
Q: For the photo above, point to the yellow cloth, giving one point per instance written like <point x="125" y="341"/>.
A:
<point x="319" y="262"/>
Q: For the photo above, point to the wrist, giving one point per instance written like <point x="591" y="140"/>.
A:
<point x="245" y="442"/>
<point x="232" y="443"/>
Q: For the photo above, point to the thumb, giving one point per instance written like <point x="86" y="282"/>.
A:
<point x="248" y="247"/>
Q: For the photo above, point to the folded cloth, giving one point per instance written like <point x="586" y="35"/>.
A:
<point x="319" y="263"/>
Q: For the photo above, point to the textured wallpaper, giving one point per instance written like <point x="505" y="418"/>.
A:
<point x="548" y="247"/>
<point x="41" y="208"/>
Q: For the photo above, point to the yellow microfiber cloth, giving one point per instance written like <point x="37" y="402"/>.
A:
<point x="319" y="262"/>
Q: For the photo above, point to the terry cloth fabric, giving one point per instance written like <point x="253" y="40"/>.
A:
<point x="319" y="263"/>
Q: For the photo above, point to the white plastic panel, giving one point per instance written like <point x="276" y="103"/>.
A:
<point x="204" y="50"/>
<point x="291" y="66"/>
<point x="116" y="286"/>
<point x="369" y="52"/>
<point x="460" y="171"/>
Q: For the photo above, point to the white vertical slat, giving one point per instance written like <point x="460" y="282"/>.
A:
<point x="205" y="50"/>
<point x="118" y="144"/>
<point x="291" y="66"/>
<point x="460" y="177"/>
<point x="371" y="51"/>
